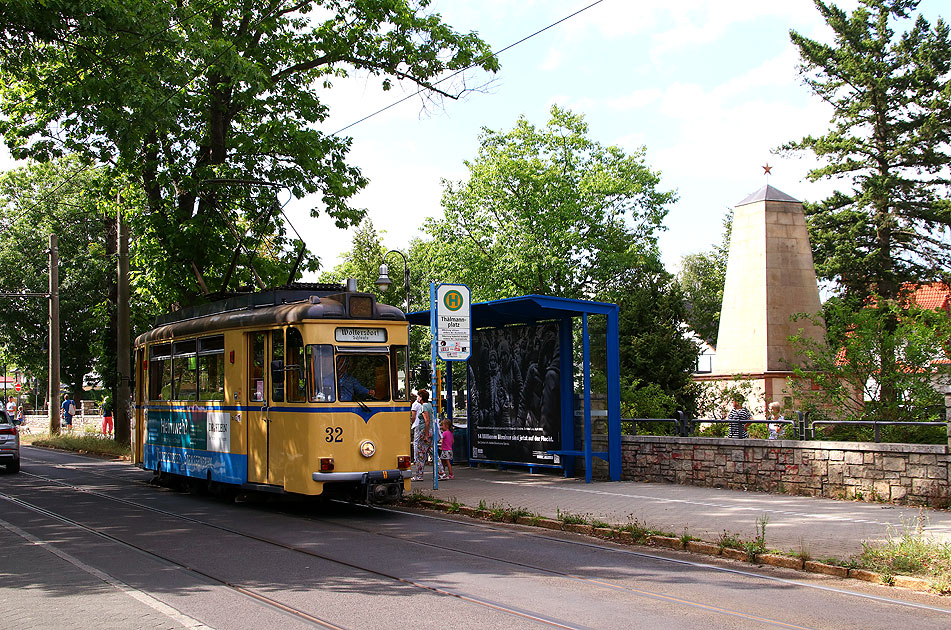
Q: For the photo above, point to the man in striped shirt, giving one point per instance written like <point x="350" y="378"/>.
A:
<point x="739" y="419"/>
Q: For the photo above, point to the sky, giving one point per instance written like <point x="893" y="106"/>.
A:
<point x="709" y="88"/>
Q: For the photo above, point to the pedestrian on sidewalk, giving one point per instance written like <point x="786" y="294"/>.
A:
<point x="445" y="450"/>
<point x="69" y="410"/>
<point x="107" y="425"/>
<point x="423" y="434"/>
<point x="415" y="420"/>
<point x="739" y="419"/>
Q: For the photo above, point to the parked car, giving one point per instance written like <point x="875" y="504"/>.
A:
<point x="9" y="443"/>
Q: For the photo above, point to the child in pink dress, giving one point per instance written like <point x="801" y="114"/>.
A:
<point x="445" y="449"/>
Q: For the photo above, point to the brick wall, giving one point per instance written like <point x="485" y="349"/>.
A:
<point x="898" y="473"/>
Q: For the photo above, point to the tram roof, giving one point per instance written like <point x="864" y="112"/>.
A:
<point x="277" y="306"/>
<point x="525" y="309"/>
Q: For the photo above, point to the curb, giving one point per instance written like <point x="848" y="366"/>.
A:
<point x="692" y="546"/>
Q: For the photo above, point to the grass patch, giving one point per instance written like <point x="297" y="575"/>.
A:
<point x="639" y="532"/>
<point x="89" y="444"/>
<point x="730" y="540"/>
<point x="910" y="552"/>
<point x="569" y="518"/>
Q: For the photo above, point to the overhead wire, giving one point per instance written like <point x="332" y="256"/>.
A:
<point x="277" y="7"/>
<point x="475" y="63"/>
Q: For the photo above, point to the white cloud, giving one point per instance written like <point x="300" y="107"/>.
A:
<point x="552" y="61"/>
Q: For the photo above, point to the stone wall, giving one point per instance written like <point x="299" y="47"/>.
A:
<point x="898" y="473"/>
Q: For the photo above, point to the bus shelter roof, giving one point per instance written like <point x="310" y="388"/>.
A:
<point x="524" y="309"/>
<point x="529" y="309"/>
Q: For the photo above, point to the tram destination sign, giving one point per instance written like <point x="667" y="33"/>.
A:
<point x="453" y="322"/>
<point x="362" y="335"/>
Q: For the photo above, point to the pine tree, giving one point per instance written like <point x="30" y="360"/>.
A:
<point x="889" y="142"/>
<point x="891" y="99"/>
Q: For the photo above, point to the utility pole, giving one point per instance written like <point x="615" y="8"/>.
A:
<point x="54" y="337"/>
<point x="123" y="350"/>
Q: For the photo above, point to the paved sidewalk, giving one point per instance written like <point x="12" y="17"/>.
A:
<point x="44" y="587"/>
<point x="823" y="527"/>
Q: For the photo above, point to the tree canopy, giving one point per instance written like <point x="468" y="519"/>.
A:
<point x="888" y="144"/>
<point x="548" y="210"/>
<point x="82" y="222"/>
<point x="701" y="278"/>
<point x="889" y="227"/>
<point x="180" y="96"/>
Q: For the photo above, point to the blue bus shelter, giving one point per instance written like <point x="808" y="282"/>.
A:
<point x="534" y="309"/>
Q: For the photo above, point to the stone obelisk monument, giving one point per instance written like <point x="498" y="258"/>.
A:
<point x="770" y="277"/>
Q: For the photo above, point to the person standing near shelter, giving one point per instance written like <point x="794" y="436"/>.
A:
<point x="11" y="407"/>
<point x="739" y="419"/>
<point x="445" y="450"/>
<point x="414" y="420"/>
<point x="423" y="438"/>
<point x="69" y="410"/>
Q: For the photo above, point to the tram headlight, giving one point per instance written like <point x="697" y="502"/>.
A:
<point x="367" y="448"/>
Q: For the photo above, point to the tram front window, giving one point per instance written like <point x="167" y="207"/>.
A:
<point x="363" y="377"/>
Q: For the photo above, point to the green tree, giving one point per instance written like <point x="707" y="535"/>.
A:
<point x="176" y="94"/>
<point x="551" y="211"/>
<point x="29" y="213"/>
<point x="654" y="349"/>
<point x="846" y="368"/>
<point x="890" y="140"/>
<point x="891" y="127"/>
<point x="547" y="211"/>
<point x="701" y="279"/>
<point x="362" y="262"/>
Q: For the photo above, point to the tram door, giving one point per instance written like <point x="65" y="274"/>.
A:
<point x="265" y="389"/>
<point x="138" y="408"/>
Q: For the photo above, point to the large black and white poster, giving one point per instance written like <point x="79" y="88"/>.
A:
<point x="515" y="394"/>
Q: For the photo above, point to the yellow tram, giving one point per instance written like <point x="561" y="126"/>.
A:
<point x="299" y="390"/>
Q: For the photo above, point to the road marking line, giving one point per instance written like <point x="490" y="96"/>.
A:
<point x="145" y="598"/>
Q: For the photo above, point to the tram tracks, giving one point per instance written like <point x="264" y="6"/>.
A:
<point x="597" y="582"/>
<point x="522" y="615"/>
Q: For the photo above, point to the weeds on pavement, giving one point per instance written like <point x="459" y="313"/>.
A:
<point x="910" y="552"/>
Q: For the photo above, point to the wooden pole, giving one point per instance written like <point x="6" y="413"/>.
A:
<point x="123" y="429"/>
<point x="54" y="338"/>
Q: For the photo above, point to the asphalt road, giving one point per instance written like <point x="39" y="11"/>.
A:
<point x="87" y="543"/>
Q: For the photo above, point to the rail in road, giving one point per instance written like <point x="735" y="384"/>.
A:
<point x="352" y="566"/>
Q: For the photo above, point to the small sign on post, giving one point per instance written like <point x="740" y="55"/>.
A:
<point x="453" y="322"/>
<point x="17" y="388"/>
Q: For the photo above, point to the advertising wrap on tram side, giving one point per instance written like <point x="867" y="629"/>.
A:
<point x="193" y="441"/>
<point x="515" y="394"/>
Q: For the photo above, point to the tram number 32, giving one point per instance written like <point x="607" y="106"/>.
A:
<point x="334" y="434"/>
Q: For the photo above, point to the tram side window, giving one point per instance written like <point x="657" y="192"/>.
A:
<point x="257" y="367"/>
<point x="211" y="368"/>
<point x="185" y="370"/>
<point x="294" y="372"/>
<point x="277" y="365"/>
<point x="160" y="372"/>
<point x="320" y="360"/>
<point x="398" y="361"/>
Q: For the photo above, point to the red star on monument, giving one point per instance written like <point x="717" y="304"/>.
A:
<point x="767" y="169"/>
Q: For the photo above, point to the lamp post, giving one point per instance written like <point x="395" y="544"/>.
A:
<point x="383" y="283"/>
